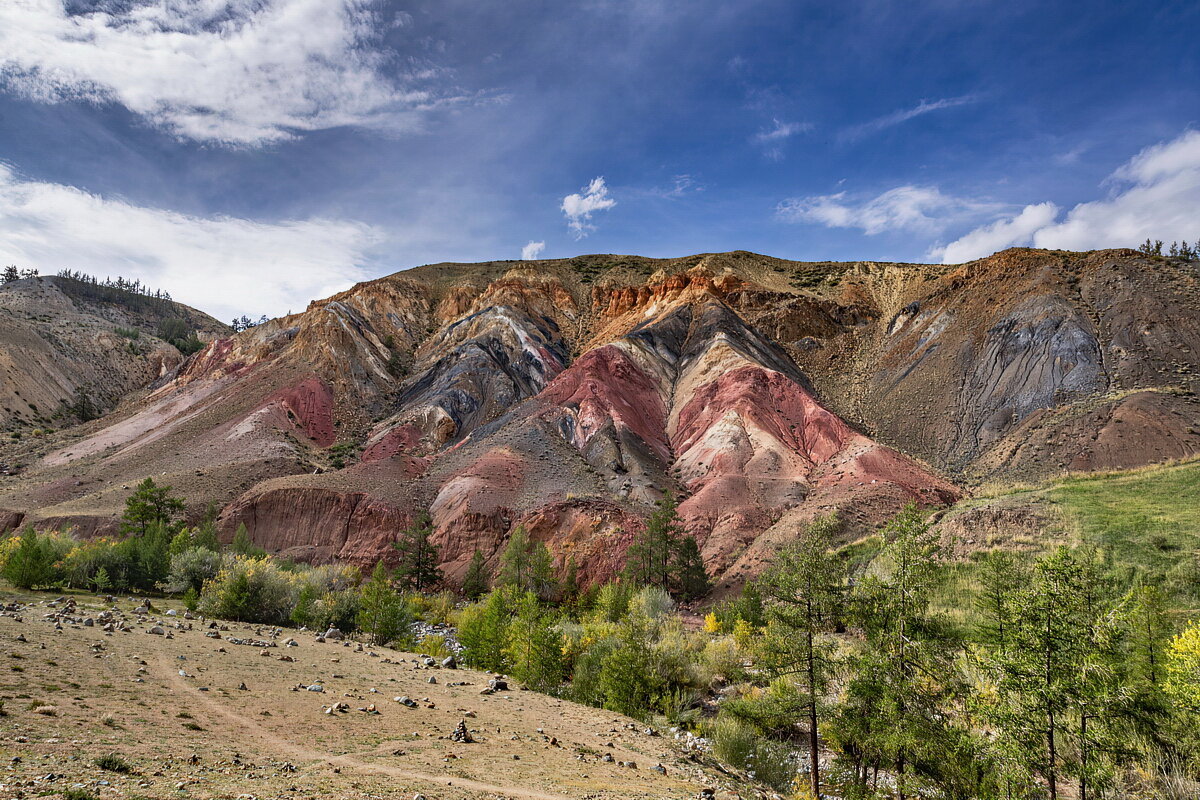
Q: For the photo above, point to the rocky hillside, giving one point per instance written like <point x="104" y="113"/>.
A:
<point x="64" y="342"/>
<point x="565" y="396"/>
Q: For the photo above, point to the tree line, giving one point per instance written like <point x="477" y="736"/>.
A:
<point x="1183" y="250"/>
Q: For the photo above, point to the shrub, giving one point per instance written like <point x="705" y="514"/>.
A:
<point x="740" y="746"/>
<point x="114" y="763"/>
<point x="721" y="661"/>
<point x="437" y="609"/>
<point x="191" y="568"/>
<point x="336" y="609"/>
<point x="434" y="646"/>
<point x="248" y="590"/>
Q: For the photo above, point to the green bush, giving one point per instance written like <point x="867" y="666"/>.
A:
<point x="739" y="745"/>
<point x="249" y="590"/>
<point x="114" y="763"/>
<point x="191" y="569"/>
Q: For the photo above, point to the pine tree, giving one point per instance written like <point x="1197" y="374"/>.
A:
<point x="205" y="534"/>
<point x="101" y="581"/>
<point x="1149" y="631"/>
<point x="10" y="274"/>
<point x="149" y="505"/>
<point x="383" y="614"/>
<point x="1041" y="672"/>
<point x="542" y="581"/>
<point x="692" y="578"/>
<point x="418" y="568"/>
<point x="475" y="582"/>
<point x="570" y="588"/>
<point x="803" y="591"/>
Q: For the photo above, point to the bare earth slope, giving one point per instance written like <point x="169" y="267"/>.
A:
<point x="566" y="395"/>
<point x="56" y="342"/>
<point x="232" y="716"/>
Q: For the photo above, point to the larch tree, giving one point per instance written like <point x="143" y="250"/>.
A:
<point x="418" y="568"/>
<point x="803" y="593"/>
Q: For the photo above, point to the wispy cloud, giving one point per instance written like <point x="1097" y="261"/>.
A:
<point x="904" y="115"/>
<point x="781" y="130"/>
<point x="1153" y="195"/>
<point x="580" y="206"/>
<point x="223" y="265"/>
<point x="237" y="72"/>
<point x="532" y="250"/>
<point x="772" y="139"/>
<point x="921" y="209"/>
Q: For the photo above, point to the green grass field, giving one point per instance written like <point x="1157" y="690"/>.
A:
<point x="1144" y="523"/>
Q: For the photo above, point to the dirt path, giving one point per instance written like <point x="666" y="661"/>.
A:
<point x="301" y="752"/>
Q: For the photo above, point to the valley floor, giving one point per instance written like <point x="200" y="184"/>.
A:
<point x="172" y="707"/>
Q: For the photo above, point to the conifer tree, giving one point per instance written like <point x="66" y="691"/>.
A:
<point x="1001" y="578"/>
<point x="570" y="587"/>
<point x="1055" y="679"/>
<point x="904" y="647"/>
<point x="516" y="562"/>
<point x="542" y="580"/>
<point x="31" y="564"/>
<point x="803" y="590"/>
<point x="534" y="650"/>
<point x="1149" y="632"/>
<point x="692" y="578"/>
<point x="651" y="558"/>
<point x="242" y="546"/>
<point x="150" y="504"/>
<point x="483" y="631"/>
<point x="475" y="582"/>
<point x="383" y="614"/>
<point x="418" y="568"/>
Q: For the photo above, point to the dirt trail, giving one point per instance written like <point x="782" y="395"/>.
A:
<point x="299" y="751"/>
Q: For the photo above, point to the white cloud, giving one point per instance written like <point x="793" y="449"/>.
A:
<point x="987" y="239"/>
<point x="923" y="209"/>
<point x="772" y="139"/>
<point x="238" y="72"/>
<point x="904" y="115"/>
<point x="579" y="207"/>
<point x="532" y="250"/>
<point x="1154" y="195"/>
<point x="223" y="265"/>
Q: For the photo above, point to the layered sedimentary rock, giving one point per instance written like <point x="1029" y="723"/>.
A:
<point x="568" y="396"/>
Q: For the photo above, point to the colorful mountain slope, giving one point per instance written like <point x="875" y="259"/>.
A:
<point x="567" y="396"/>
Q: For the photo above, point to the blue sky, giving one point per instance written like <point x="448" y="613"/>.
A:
<point x="251" y="155"/>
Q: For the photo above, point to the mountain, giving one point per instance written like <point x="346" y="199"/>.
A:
<point x="566" y="395"/>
